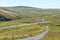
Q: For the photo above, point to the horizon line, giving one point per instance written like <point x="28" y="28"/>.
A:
<point x="31" y="6"/>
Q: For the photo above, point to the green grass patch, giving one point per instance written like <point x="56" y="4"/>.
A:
<point x="21" y="32"/>
<point x="14" y="22"/>
<point x="54" y="32"/>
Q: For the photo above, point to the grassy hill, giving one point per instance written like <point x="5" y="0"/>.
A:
<point x="29" y="12"/>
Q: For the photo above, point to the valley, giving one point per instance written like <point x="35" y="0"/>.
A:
<point x="22" y="22"/>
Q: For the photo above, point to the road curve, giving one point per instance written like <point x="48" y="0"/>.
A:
<point x="21" y="25"/>
<point x="38" y="37"/>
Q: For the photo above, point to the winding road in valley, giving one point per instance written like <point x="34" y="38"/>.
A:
<point x="38" y="37"/>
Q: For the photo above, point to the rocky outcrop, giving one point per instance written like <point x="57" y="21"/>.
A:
<point x="2" y="18"/>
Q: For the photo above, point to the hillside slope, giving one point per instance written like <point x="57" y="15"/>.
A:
<point x="9" y="14"/>
<point x="28" y="12"/>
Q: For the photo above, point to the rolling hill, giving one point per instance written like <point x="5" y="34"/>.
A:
<point x="18" y="12"/>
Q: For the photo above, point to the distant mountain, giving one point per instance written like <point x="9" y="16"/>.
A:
<point x="21" y="7"/>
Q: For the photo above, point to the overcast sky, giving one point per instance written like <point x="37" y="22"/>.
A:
<point x="33" y="3"/>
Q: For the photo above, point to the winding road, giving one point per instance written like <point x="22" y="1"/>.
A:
<point x="38" y="37"/>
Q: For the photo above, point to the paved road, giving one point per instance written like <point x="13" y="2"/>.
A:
<point x="21" y="25"/>
<point x="38" y="37"/>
